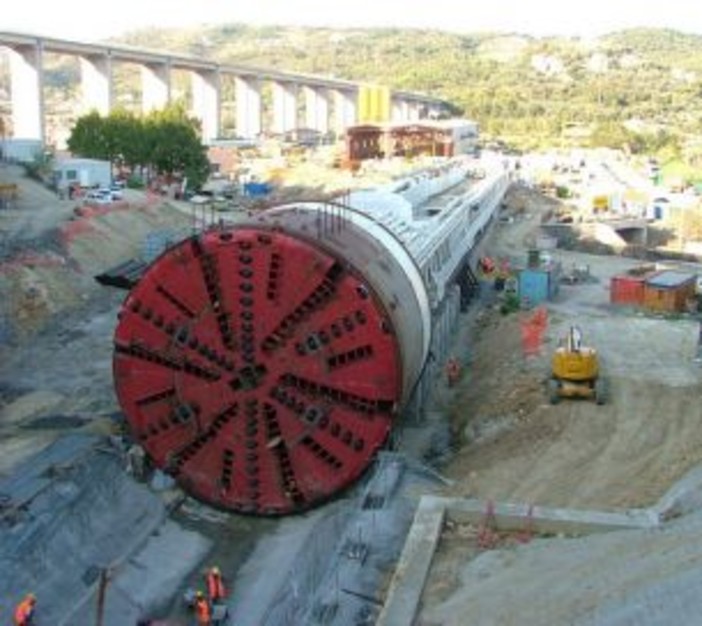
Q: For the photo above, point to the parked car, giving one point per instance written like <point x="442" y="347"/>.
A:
<point x="116" y="191"/>
<point x="98" y="196"/>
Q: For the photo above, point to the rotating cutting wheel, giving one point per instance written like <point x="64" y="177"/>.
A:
<point x="257" y="370"/>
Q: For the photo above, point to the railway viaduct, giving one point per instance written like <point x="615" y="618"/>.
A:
<point x="329" y="103"/>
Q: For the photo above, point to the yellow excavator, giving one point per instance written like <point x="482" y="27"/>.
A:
<point x="575" y="371"/>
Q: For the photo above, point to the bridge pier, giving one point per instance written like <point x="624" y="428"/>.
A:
<point x="401" y="111"/>
<point x="27" y="75"/>
<point x="316" y="109"/>
<point x="155" y="86"/>
<point x="248" y="107"/>
<point x="344" y="110"/>
<point x="414" y="111"/>
<point x="96" y="83"/>
<point x="284" y="107"/>
<point x="206" y="96"/>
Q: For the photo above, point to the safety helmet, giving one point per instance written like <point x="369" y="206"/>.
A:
<point x="215" y="570"/>
<point x="199" y="594"/>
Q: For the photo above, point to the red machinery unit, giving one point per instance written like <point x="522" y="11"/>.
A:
<point x="263" y="364"/>
<point x="257" y="369"/>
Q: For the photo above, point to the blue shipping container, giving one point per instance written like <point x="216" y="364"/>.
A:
<point x="537" y="285"/>
<point x="255" y="190"/>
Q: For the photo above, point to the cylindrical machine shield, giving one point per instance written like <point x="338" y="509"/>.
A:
<point x="263" y="367"/>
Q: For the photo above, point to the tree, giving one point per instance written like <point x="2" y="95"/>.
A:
<point x="175" y="145"/>
<point x="126" y="136"/>
<point x="88" y="137"/>
<point x="167" y="140"/>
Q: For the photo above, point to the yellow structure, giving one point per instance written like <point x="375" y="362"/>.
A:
<point x="600" y="204"/>
<point x="373" y="104"/>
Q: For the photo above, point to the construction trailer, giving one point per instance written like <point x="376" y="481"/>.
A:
<point x="669" y="291"/>
<point x="445" y="138"/>
<point x="85" y="173"/>
<point x="459" y="136"/>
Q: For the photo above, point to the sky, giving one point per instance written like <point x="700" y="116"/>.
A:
<point x="91" y="20"/>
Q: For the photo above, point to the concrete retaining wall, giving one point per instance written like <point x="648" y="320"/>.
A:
<point x="412" y="570"/>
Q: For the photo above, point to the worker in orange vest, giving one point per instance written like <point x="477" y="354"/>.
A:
<point x="25" y="610"/>
<point x="203" y="614"/>
<point x="215" y="586"/>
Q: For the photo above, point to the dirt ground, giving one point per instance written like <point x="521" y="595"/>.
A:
<point x="626" y="453"/>
<point x="56" y="322"/>
<point x="517" y="447"/>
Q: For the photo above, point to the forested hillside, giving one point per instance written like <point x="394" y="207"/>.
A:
<point x="514" y="85"/>
<point x="640" y="88"/>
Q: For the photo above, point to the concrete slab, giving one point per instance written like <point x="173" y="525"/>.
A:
<point x="413" y="567"/>
<point x="545" y="520"/>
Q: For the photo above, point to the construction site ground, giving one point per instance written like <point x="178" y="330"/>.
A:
<point x="516" y="447"/>
<point x="507" y="443"/>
